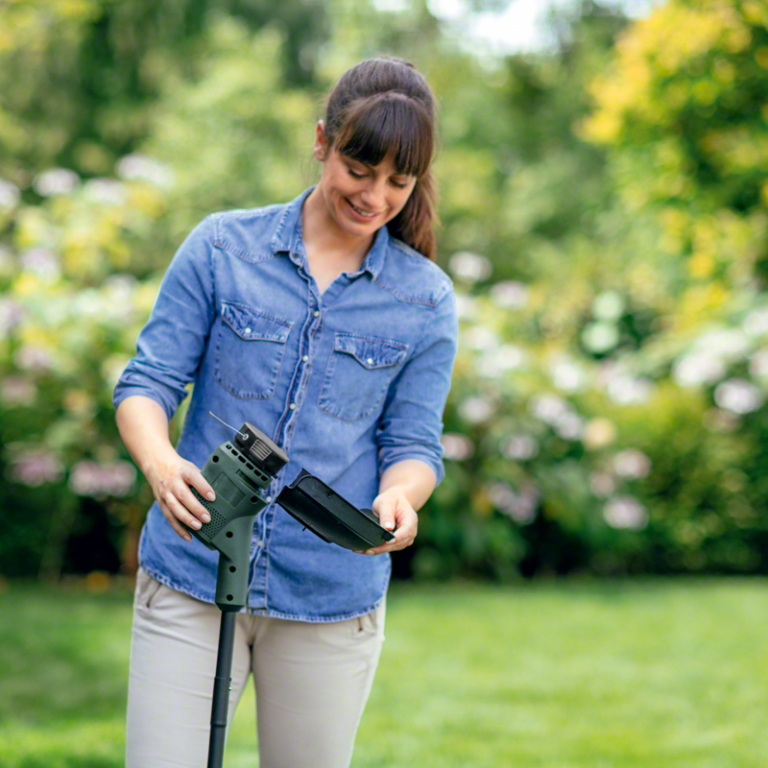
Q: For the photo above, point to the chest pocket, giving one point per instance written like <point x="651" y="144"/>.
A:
<point x="358" y="374"/>
<point x="249" y="351"/>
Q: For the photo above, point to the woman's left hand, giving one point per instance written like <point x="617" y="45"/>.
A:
<point x="394" y="512"/>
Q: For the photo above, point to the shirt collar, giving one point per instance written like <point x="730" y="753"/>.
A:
<point x="287" y="238"/>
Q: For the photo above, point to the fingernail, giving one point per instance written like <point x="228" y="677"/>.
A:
<point x="197" y="524"/>
<point x="211" y="496"/>
<point x="389" y="524"/>
<point x="187" y="537"/>
<point x="206" y="518"/>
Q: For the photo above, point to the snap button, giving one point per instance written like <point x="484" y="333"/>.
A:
<point x="304" y="359"/>
<point x="247" y="330"/>
<point x="269" y="498"/>
<point x="259" y="543"/>
<point x="316" y="313"/>
<point x="292" y="406"/>
<point x="369" y="361"/>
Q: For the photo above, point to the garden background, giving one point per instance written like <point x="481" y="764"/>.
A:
<point x="604" y="209"/>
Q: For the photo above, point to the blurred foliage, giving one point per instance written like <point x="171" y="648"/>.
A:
<point x="603" y="208"/>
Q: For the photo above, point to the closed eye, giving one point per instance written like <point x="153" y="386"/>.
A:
<point x="357" y="175"/>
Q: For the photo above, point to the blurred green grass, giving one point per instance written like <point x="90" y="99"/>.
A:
<point x="595" y="674"/>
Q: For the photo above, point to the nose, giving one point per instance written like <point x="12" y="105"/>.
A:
<point x="373" y="196"/>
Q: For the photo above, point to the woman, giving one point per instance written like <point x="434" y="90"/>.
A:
<point x="326" y="324"/>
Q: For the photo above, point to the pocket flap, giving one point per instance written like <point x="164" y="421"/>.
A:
<point x="253" y="324"/>
<point x="371" y="352"/>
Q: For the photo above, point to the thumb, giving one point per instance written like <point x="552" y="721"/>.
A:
<point x="387" y="510"/>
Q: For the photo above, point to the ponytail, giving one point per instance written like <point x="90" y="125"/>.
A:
<point x="415" y="224"/>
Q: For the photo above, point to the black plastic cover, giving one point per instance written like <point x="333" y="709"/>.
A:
<point x="331" y="517"/>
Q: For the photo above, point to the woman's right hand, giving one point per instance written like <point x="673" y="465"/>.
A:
<point x="170" y="479"/>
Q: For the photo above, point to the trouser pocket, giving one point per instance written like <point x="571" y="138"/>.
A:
<point x="146" y="589"/>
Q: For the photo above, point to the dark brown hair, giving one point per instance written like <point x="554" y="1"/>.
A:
<point x="384" y="105"/>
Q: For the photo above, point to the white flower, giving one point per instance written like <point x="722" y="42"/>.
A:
<point x="739" y="396"/>
<point x="602" y="484"/>
<point x="56" y="181"/>
<point x="519" y="506"/>
<point x="31" y="358"/>
<point x="488" y="367"/>
<point x="505" y="358"/>
<point x="98" y="480"/>
<point x="567" y="375"/>
<point x="625" y="512"/>
<point x="519" y="447"/>
<point x="9" y="195"/>
<point x="756" y="323"/>
<point x="631" y="464"/>
<point x="470" y="267"/>
<point x="456" y="447"/>
<point x="137" y="167"/>
<point x="87" y="303"/>
<point x="36" y="467"/>
<point x="465" y="306"/>
<point x="15" y="390"/>
<point x="548" y="407"/>
<point x="481" y="338"/>
<point x="41" y="262"/>
<point x="105" y="191"/>
<point x="509" y="294"/>
<point x="476" y="409"/>
<point x="10" y="315"/>
<point x="570" y="426"/>
<point x="698" y="368"/>
<point x="625" y="389"/>
<point x="600" y="337"/>
<point x="727" y="343"/>
<point x="511" y="357"/>
<point x="608" y="305"/>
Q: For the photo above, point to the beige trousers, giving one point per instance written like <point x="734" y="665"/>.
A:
<point x="312" y="681"/>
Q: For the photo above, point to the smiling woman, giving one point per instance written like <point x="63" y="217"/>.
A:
<point x="326" y="323"/>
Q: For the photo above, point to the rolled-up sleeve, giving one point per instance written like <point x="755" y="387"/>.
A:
<point x="412" y="420"/>
<point x="171" y="344"/>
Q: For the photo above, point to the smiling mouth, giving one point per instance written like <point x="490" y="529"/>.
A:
<point x="365" y="214"/>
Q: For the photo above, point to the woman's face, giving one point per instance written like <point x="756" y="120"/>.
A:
<point x="361" y="198"/>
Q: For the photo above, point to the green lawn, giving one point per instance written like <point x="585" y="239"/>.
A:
<point x="658" y="673"/>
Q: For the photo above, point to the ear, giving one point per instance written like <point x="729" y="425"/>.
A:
<point x="321" y="145"/>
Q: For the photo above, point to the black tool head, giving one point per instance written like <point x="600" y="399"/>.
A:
<point x="328" y="515"/>
<point x="262" y="451"/>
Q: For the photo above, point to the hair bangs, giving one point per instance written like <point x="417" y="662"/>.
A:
<point x="389" y="124"/>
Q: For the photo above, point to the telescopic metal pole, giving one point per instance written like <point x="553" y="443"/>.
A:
<point x="221" y="688"/>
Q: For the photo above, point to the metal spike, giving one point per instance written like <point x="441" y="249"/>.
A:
<point x="211" y="413"/>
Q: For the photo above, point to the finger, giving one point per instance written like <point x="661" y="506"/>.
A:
<point x="173" y="522"/>
<point x="386" y="512"/>
<point x="190" y="501"/>
<point x="181" y="513"/>
<point x="399" y="542"/>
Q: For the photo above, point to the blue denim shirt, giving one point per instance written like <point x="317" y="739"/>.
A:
<point x="348" y="383"/>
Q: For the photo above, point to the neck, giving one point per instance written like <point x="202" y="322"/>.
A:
<point x="324" y="237"/>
